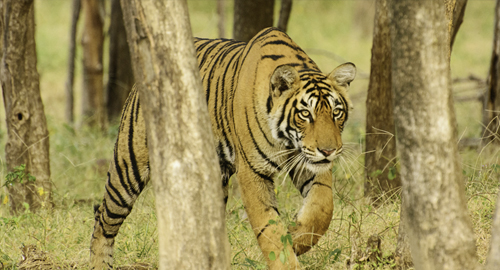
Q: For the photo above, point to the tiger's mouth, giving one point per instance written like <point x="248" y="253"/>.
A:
<point x="323" y="161"/>
<point x="319" y="161"/>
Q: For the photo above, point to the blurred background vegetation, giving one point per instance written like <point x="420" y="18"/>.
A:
<point x="331" y="32"/>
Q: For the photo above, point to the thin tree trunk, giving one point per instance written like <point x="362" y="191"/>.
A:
<point x="221" y="16"/>
<point x="28" y="138"/>
<point x="440" y="232"/>
<point x="184" y="167"/>
<point x="491" y="100"/>
<point x="121" y="77"/>
<point x="456" y="20"/>
<point x="93" y="99"/>
<point x="70" y="100"/>
<point x="286" y="9"/>
<point x="382" y="180"/>
<point x="250" y="17"/>
<point x="493" y="261"/>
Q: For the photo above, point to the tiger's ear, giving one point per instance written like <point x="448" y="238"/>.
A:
<point x="284" y="78"/>
<point x="343" y="74"/>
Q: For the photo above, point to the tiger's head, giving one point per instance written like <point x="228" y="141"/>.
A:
<point x="308" y="111"/>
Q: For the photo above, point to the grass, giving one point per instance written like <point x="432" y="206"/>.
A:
<point x="330" y="32"/>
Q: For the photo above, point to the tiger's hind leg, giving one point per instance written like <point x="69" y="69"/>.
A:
<point x="128" y="175"/>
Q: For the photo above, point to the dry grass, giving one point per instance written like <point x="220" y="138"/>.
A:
<point x="331" y="32"/>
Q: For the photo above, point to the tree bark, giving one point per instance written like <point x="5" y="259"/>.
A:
<point x="491" y="100"/>
<point x="250" y="17"/>
<point x="221" y="18"/>
<point x="286" y="9"/>
<point x="28" y="138"/>
<point x="493" y="261"/>
<point x="93" y="99"/>
<point x="381" y="177"/>
<point x="121" y="76"/>
<point x="184" y="168"/>
<point x="456" y="18"/>
<point x="440" y="231"/>
<point x="70" y="100"/>
<point x="402" y="255"/>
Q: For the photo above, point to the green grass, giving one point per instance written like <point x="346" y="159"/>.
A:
<point x="331" y="32"/>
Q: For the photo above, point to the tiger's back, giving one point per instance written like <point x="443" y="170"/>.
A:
<point x="268" y="102"/>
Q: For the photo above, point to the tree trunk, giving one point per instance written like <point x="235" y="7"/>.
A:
<point x="493" y="261"/>
<point x="491" y="100"/>
<point x="28" y="138"/>
<point x="184" y="168"/>
<point x="286" y="9"/>
<point x="402" y="256"/>
<point x="93" y="99"/>
<point x="454" y="13"/>
<point x="70" y="100"/>
<point x="456" y="18"/>
<point x="121" y="77"/>
<point x="250" y="17"/>
<point x="381" y="177"/>
<point x="221" y="18"/>
<point x="440" y="232"/>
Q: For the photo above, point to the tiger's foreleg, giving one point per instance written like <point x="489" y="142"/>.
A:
<point x="315" y="215"/>
<point x="261" y="206"/>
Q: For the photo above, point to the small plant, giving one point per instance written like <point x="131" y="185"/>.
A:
<point x="286" y="240"/>
<point x="18" y="175"/>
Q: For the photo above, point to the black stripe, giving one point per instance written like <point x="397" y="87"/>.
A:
<point x="249" y="46"/>
<point x="120" y="201"/>
<point x="206" y="52"/>
<point x="131" y="96"/>
<point x="259" y="126"/>
<point x="289" y="119"/>
<point x="276" y="209"/>
<point x="262" y="131"/>
<point x="346" y="107"/>
<point x="305" y="184"/>
<point x="282" y="117"/>
<point x="138" y="109"/>
<point x="316" y="183"/>
<point x="130" y="185"/>
<point x="303" y="103"/>
<point x="261" y="231"/>
<point x="309" y="82"/>
<point x="269" y="104"/>
<point x="120" y="175"/>
<point x="300" y="57"/>
<point x="262" y="154"/>
<point x="223" y="113"/>
<point x="104" y="233"/>
<point x="112" y="215"/>
<point x="279" y="42"/>
<point x="321" y="184"/>
<point x="133" y="160"/>
<point x="254" y="170"/>
<point x="272" y="56"/>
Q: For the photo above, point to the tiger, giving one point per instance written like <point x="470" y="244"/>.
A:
<point x="272" y="112"/>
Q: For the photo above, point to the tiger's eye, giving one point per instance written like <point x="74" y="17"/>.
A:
<point x="336" y="112"/>
<point x="305" y="113"/>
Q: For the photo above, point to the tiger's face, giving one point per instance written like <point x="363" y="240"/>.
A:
<point x="309" y="113"/>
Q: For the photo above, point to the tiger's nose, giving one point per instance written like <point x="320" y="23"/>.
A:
<point x="327" y="152"/>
